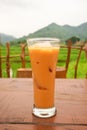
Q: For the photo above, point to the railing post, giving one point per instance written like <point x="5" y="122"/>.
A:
<point x="78" y="58"/>
<point x="23" y="55"/>
<point x="68" y="54"/>
<point x="8" y="59"/>
<point x="85" y="48"/>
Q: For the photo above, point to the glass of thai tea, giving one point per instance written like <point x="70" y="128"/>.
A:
<point x="43" y="55"/>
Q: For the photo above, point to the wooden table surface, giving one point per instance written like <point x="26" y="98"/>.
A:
<point x="16" y="101"/>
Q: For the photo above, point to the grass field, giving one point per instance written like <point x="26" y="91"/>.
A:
<point x="14" y="64"/>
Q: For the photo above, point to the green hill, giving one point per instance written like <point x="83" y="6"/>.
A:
<point x="62" y="32"/>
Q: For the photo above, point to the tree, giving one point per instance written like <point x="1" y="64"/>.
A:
<point x="74" y="39"/>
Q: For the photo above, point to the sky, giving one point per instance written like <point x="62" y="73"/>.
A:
<point x="22" y="17"/>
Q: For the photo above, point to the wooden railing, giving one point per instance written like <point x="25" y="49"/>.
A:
<point x="23" y="55"/>
<point x="7" y="58"/>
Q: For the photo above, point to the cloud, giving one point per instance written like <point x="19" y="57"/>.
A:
<point x="21" y="17"/>
<point x="30" y="4"/>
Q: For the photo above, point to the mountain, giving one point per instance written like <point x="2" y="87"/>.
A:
<point x="52" y="30"/>
<point x="6" y="38"/>
<point x="63" y="32"/>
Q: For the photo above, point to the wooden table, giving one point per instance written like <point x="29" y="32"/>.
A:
<point x="16" y="101"/>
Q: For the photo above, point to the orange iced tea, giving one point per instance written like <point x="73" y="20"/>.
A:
<point x="43" y="54"/>
<point x="43" y="61"/>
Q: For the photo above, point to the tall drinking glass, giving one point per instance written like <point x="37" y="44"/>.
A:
<point x="43" y="54"/>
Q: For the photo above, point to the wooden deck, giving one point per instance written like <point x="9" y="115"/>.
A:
<point x="16" y="102"/>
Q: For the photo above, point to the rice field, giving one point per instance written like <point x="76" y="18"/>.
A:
<point x="15" y="64"/>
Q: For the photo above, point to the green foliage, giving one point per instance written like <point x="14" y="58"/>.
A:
<point x="74" y="39"/>
<point x="18" y="41"/>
